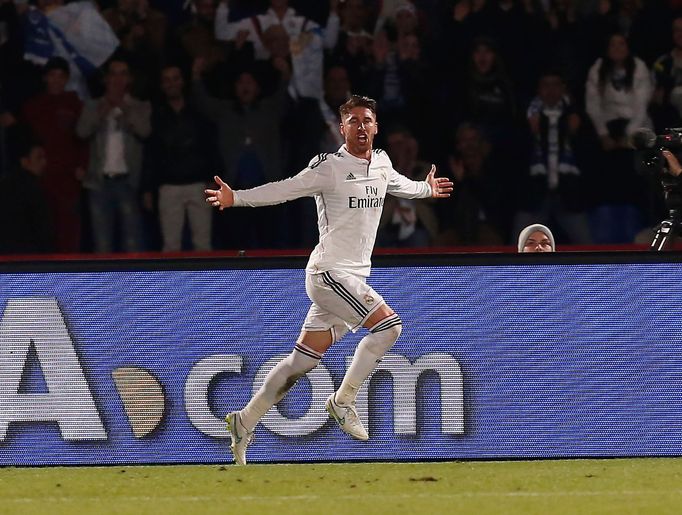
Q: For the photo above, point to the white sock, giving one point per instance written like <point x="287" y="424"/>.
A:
<point x="278" y="382"/>
<point x="367" y="356"/>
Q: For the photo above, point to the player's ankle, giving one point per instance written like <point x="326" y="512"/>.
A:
<point x="345" y="397"/>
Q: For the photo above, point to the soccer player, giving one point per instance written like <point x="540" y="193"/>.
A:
<point x="349" y="187"/>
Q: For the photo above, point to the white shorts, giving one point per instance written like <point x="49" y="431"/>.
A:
<point x="341" y="301"/>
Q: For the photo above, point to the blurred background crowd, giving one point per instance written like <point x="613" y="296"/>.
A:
<point x="115" y="115"/>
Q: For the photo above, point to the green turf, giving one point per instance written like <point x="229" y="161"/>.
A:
<point x="619" y="486"/>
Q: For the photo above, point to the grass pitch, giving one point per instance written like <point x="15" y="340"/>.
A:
<point x="622" y="486"/>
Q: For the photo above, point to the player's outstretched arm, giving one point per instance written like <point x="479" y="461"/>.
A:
<point x="220" y="198"/>
<point x="440" y="186"/>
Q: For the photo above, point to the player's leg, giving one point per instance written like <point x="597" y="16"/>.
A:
<point x="353" y="300"/>
<point x="320" y="330"/>
<point x="277" y="383"/>
<point x="384" y="329"/>
<point x="306" y="355"/>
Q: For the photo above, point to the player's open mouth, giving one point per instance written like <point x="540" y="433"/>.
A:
<point x="362" y="138"/>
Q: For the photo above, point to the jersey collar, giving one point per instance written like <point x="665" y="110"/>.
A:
<point x="343" y="150"/>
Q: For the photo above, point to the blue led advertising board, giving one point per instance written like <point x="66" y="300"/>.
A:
<point x="517" y="359"/>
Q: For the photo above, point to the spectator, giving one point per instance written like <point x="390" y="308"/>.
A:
<point x="553" y="189"/>
<point x="278" y="44"/>
<point x="461" y="26"/>
<point x="337" y="90"/>
<point x="7" y="121"/>
<point x="279" y="13"/>
<point x="142" y="32"/>
<point x="617" y="94"/>
<point x="399" y="19"/>
<point x="248" y="124"/>
<point x="196" y="38"/>
<point x="140" y="28"/>
<point x="406" y="222"/>
<point x="399" y="82"/>
<point x="354" y="17"/>
<point x="25" y="222"/>
<point x="307" y="63"/>
<point x="618" y="91"/>
<point x="354" y="53"/>
<point x="250" y="146"/>
<point x="520" y="31"/>
<point x="488" y="97"/>
<point x="568" y="48"/>
<point x="321" y="117"/>
<point x="536" y="238"/>
<point x="475" y="213"/>
<point x="115" y="126"/>
<point x="634" y="19"/>
<point x="181" y="156"/>
<point x="666" y="105"/>
<point x="52" y="116"/>
<point x="19" y="78"/>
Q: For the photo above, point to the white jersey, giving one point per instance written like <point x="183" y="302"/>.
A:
<point x="293" y="23"/>
<point x="349" y="192"/>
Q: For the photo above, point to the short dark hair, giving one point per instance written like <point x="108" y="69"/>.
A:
<point x="57" y="63"/>
<point x="552" y="72"/>
<point x="165" y="65"/>
<point x="358" y="101"/>
<point x="115" y="58"/>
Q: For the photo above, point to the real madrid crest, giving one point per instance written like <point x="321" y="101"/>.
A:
<point x="369" y="299"/>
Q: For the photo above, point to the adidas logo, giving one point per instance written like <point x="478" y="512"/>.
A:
<point x="350" y="177"/>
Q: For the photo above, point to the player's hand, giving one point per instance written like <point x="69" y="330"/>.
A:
<point x="440" y="186"/>
<point x="673" y="164"/>
<point x="220" y="198"/>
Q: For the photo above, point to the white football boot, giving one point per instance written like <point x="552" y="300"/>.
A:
<point x="241" y="438"/>
<point x="347" y="417"/>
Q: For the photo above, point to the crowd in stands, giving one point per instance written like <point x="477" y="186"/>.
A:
<point x="116" y="114"/>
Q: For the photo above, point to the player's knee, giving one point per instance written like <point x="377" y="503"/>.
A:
<point x="386" y="332"/>
<point x="393" y="333"/>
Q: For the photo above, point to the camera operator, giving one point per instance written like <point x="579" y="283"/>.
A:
<point x="662" y="235"/>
